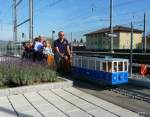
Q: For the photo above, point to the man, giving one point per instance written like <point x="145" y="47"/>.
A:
<point x="61" y="51"/>
<point x="38" y="48"/>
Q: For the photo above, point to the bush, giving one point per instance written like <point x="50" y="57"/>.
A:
<point x="19" y="73"/>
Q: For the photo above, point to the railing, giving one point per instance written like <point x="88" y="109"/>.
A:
<point x="108" y="65"/>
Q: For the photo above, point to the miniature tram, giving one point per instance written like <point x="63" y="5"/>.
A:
<point x="109" y="71"/>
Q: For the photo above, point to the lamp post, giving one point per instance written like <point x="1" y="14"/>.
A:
<point x="53" y="32"/>
<point x="131" y="49"/>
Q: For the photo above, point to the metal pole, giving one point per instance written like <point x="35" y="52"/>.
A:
<point x="131" y="49"/>
<point x="53" y="32"/>
<point x="111" y="23"/>
<point x="31" y="20"/>
<point x="15" y="21"/>
<point x="144" y="33"/>
<point x="71" y="44"/>
<point x="14" y="27"/>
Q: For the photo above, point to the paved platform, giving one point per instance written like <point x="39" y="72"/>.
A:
<point x="67" y="102"/>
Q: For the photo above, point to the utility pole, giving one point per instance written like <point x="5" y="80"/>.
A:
<point x="71" y="44"/>
<point x="15" y="21"/>
<point x="13" y="47"/>
<point x="31" y="20"/>
<point x="131" y="49"/>
<point x="53" y="32"/>
<point x="144" y="41"/>
<point x="111" y="24"/>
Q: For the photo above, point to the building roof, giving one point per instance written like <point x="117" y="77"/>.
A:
<point x="117" y="28"/>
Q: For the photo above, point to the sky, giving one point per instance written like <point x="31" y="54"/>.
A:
<point x="76" y="16"/>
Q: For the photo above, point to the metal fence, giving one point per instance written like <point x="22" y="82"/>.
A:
<point x="9" y="48"/>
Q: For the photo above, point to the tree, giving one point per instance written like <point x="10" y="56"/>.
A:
<point x="81" y="40"/>
<point x="74" y="41"/>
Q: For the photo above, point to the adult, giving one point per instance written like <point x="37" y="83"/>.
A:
<point x="61" y="51"/>
<point x="38" y="48"/>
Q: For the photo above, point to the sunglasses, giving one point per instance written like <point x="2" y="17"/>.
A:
<point x="61" y="35"/>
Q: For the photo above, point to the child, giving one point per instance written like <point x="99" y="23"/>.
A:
<point x="48" y="54"/>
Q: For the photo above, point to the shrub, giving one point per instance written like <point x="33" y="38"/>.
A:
<point x="18" y="73"/>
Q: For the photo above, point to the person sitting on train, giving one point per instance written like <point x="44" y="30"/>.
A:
<point x="61" y="51"/>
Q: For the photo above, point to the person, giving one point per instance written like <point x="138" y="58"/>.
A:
<point x="48" y="54"/>
<point x="47" y="50"/>
<point x="61" y="51"/>
<point x="27" y="50"/>
<point x="38" y="48"/>
<point x="34" y="50"/>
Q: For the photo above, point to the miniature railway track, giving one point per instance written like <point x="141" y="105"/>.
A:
<point x="132" y="94"/>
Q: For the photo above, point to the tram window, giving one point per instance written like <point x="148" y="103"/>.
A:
<point x="84" y="63"/>
<point x="120" y="66"/>
<point x="73" y="62"/>
<point x="92" y="64"/>
<point x="98" y="65"/>
<point x="76" y="61"/>
<point x="115" y="66"/>
<point x="104" y="66"/>
<point x="109" y="66"/>
<point x="125" y="66"/>
<point x="80" y="61"/>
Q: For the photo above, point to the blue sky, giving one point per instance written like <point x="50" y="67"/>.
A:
<point x="76" y="16"/>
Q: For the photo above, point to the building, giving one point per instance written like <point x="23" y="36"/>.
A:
<point x="148" y="41"/>
<point x="99" y="39"/>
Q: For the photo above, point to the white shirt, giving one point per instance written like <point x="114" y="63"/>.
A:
<point x="47" y="51"/>
<point x="36" y="45"/>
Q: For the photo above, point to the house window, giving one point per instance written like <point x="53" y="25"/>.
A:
<point x="96" y="36"/>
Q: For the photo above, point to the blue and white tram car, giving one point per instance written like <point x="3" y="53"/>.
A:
<point x="109" y="71"/>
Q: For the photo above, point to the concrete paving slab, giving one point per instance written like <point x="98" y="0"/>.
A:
<point x="60" y="103"/>
<point x="38" y="104"/>
<point x="63" y="106"/>
<point x="101" y="103"/>
<point x="26" y="108"/>
<point x="67" y="108"/>
<point x="56" y="101"/>
<point x="89" y="108"/>
<point x="30" y="114"/>
<point x="6" y="110"/>
<point x="98" y="113"/>
<point x="80" y="103"/>
<point x="5" y="114"/>
<point x="19" y="101"/>
<point x="55" y="114"/>
<point x="79" y="113"/>
<point x="45" y="108"/>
